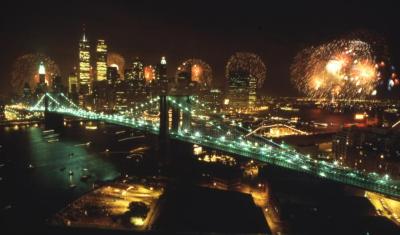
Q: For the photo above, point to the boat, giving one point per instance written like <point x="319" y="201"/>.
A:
<point x="31" y="166"/>
<point x="49" y="131"/>
<point x="52" y="140"/>
<point x="72" y="186"/>
<point x="85" y="177"/>
<point x="71" y="172"/>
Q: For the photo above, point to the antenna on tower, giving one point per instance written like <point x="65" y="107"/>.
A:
<point x="84" y="32"/>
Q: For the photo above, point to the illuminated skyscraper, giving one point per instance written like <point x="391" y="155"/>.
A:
<point x="41" y="87"/>
<point x="72" y="83"/>
<point x="84" y="66"/>
<point x="137" y="69"/>
<point x="128" y="74"/>
<point x="161" y="74"/>
<point x="163" y="69"/>
<point x="252" y="91"/>
<point x="27" y="94"/>
<point x="42" y="74"/>
<point x="238" y="91"/>
<point x="112" y="75"/>
<point x="138" y="82"/>
<point x="101" y="60"/>
<point x="57" y="84"/>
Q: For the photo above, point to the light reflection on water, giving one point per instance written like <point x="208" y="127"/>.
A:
<point x="44" y="188"/>
<point x="49" y="161"/>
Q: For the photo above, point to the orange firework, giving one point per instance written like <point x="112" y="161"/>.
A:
<point x="199" y="70"/>
<point x="149" y="73"/>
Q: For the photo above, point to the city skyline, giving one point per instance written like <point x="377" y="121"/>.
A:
<point x="164" y="35"/>
<point x="200" y="117"/>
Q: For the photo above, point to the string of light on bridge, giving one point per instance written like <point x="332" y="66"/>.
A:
<point x="218" y="135"/>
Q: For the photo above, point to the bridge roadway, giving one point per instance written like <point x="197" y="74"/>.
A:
<point x="258" y="148"/>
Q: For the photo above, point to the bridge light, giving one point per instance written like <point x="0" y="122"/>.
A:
<point x="197" y="134"/>
<point x="304" y="167"/>
<point x="386" y="177"/>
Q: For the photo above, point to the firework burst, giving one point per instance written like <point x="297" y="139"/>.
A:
<point x="200" y="71"/>
<point x="249" y="63"/>
<point x="25" y="70"/>
<point x="118" y="61"/>
<point x="342" y="69"/>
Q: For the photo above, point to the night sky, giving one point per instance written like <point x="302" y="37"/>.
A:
<point x="209" y="30"/>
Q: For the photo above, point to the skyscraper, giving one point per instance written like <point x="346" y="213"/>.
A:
<point x="101" y="60"/>
<point x="42" y="74"/>
<point x="161" y="74"/>
<point x="57" y="84"/>
<point x="252" y="91"/>
<point x="238" y="91"/>
<point x="137" y="69"/>
<point x="27" y="94"/>
<point x="41" y="87"/>
<point x="138" y="82"/>
<point x="72" y="83"/>
<point x="128" y="74"/>
<point x="84" y="66"/>
<point x="112" y="75"/>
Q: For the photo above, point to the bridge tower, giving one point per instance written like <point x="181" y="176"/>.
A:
<point x="164" y="120"/>
<point x="181" y="114"/>
<point x="174" y="116"/>
<point x="187" y="114"/>
<point x="52" y="120"/>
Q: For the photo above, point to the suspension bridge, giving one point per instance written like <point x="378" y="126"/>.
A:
<point x="191" y="122"/>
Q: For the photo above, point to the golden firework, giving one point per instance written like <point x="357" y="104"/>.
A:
<point x="342" y="69"/>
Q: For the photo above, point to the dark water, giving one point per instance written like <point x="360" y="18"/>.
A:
<point x="30" y="195"/>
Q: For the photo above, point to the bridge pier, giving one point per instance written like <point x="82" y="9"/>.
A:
<point x="53" y="120"/>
